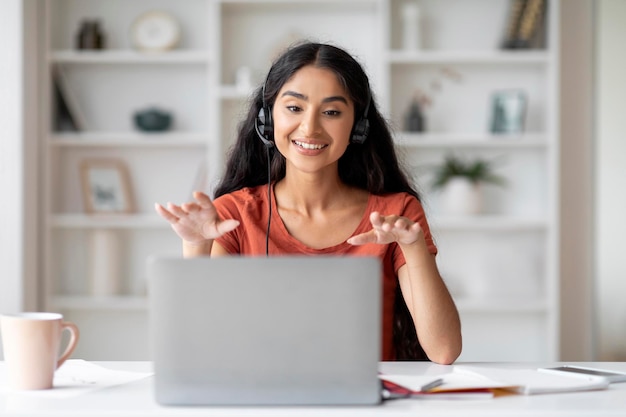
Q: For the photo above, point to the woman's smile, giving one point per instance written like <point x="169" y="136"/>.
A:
<point x="307" y="145"/>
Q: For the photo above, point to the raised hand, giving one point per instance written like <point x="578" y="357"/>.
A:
<point x="388" y="229"/>
<point x="197" y="221"/>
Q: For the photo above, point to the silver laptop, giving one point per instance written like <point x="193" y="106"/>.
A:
<point x="265" y="331"/>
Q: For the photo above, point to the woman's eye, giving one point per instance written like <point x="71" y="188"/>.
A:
<point x="294" y="109"/>
<point x="332" y="112"/>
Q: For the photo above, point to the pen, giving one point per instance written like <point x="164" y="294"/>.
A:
<point x="434" y="384"/>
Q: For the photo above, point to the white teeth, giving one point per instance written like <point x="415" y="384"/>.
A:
<point x="308" y="145"/>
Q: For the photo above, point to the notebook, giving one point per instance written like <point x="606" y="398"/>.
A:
<point x="265" y="331"/>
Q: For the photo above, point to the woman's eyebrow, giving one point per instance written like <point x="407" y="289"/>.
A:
<point x="306" y="98"/>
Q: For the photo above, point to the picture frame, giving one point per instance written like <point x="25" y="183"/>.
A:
<point x="508" y="111"/>
<point x="106" y="186"/>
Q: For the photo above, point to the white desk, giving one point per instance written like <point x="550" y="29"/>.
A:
<point x="136" y="399"/>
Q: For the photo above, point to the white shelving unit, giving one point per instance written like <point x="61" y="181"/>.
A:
<point x="501" y="267"/>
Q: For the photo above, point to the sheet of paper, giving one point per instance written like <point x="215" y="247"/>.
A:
<point x="78" y="377"/>
<point x="531" y="381"/>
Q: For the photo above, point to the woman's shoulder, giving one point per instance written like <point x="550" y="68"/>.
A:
<point x="396" y="199"/>
<point x="243" y="197"/>
<point x="401" y="203"/>
<point x="245" y="194"/>
<point x="243" y="200"/>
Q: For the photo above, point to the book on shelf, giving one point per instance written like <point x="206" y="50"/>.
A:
<point x="68" y="115"/>
<point x="524" y="23"/>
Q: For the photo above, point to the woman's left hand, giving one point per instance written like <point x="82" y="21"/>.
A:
<point x="389" y="229"/>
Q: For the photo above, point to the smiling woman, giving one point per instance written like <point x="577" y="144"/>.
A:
<point x="315" y="152"/>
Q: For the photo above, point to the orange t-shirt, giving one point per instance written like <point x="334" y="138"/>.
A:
<point x="249" y="206"/>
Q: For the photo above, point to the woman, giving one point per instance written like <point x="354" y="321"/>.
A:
<point x="314" y="133"/>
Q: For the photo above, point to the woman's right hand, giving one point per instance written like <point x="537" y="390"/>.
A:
<point x="197" y="221"/>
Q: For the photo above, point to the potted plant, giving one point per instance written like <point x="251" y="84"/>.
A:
<point x="460" y="182"/>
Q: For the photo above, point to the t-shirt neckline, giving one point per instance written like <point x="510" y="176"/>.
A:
<point x="361" y="227"/>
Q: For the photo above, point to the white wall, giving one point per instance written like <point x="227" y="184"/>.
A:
<point x="610" y="163"/>
<point x="11" y="180"/>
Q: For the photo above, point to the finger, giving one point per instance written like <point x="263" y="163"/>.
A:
<point x="376" y="219"/>
<point x="402" y="224"/>
<point x="203" y="199"/>
<point x="178" y="211"/>
<point x="165" y="214"/>
<point x="189" y="207"/>
<point x="363" y="238"/>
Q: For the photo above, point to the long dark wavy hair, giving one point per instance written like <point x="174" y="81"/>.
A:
<point x="371" y="166"/>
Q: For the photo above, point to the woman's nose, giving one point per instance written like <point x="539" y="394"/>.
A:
<point x="310" y="124"/>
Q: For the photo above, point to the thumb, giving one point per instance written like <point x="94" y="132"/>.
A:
<point x="215" y="230"/>
<point x="363" y="238"/>
<point x="226" y="226"/>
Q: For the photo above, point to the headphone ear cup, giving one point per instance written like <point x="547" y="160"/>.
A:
<point x="269" y="124"/>
<point x="360" y="131"/>
<point x="264" y="127"/>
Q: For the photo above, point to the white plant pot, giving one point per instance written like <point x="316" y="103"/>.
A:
<point x="461" y="197"/>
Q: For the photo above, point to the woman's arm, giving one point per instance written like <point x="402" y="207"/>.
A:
<point x="433" y="311"/>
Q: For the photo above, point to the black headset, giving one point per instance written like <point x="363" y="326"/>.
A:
<point x="264" y="125"/>
<point x="362" y="127"/>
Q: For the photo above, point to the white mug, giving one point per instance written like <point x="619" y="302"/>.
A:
<point x="31" y="343"/>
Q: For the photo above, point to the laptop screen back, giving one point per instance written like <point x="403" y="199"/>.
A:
<point x="256" y="330"/>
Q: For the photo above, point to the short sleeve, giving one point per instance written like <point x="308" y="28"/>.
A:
<point x="227" y="208"/>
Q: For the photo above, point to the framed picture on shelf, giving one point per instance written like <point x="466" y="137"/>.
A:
<point x="508" y="111"/>
<point x="106" y="186"/>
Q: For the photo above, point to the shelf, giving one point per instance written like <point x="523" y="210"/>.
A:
<point x="108" y="303"/>
<point x="487" y="223"/>
<point x="129" y="139"/>
<point x="469" y="57"/>
<point x="128" y="57"/>
<point x="97" y="221"/>
<point x="329" y="5"/>
<point x="507" y="305"/>
<point x="455" y="140"/>
<point x="231" y="92"/>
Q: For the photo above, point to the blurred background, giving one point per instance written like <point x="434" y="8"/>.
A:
<point x="506" y="112"/>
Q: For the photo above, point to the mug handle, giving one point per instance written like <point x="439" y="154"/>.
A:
<point x="74" y="335"/>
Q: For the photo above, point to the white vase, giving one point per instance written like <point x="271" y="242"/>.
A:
<point x="461" y="197"/>
<point x="104" y="267"/>
<point x="411" y="26"/>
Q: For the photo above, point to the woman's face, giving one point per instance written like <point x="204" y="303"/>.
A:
<point x="313" y="118"/>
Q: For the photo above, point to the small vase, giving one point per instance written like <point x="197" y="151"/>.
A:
<point x="414" y="119"/>
<point x="411" y="27"/>
<point x="461" y="197"/>
<point x="104" y="263"/>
